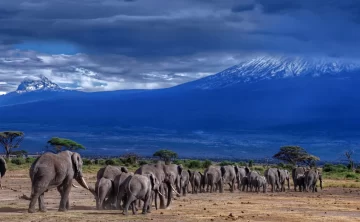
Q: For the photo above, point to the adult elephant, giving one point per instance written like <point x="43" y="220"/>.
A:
<point x="55" y="170"/>
<point x="311" y="178"/>
<point x="228" y="174"/>
<point x="184" y="182"/>
<point x="213" y="179"/>
<point x="119" y="184"/>
<point x="167" y="175"/>
<point x="251" y="177"/>
<point x="110" y="172"/>
<point x="298" y="176"/>
<point x="241" y="173"/>
<point x="3" y="169"/>
<point x="272" y="178"/>
<point x="284" y="177"/>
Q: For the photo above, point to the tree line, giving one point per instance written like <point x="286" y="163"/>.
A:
<point x="293" y="155"/>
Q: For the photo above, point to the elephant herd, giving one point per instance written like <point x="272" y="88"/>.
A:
<point x="117" y="188"/>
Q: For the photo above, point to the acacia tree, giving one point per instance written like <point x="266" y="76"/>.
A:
<point x="295" y="155"/>
<point x="11" y="140"/>
<point x="348" y="154"/>
<point x="61" y="144"/>
<point x="166" y="155"/>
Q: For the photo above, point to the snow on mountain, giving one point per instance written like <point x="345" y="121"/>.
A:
<point x="263" y="68"/>
<point x="37" y="84"/>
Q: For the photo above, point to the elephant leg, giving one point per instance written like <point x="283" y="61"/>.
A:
<point x="42" y="207"/>
<point x="35" y="194"/>
<point x="65" y="197"/>
<point x="130" y="200"/>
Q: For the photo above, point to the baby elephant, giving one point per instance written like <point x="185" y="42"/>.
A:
<point x="195" y="181"/>
<point x="140" y="187"/>
<point x="259" y="182"/>
<point x="104" y="190"/>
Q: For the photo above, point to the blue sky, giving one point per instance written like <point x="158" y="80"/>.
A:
<point x="96" y="45"/>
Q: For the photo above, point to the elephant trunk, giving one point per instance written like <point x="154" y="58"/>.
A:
<point x="169" y="195"/>
<point x="320" y="182"/>
<point x="288" y="182"/>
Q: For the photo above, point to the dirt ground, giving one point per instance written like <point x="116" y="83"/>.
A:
<point x="330" y="204"/>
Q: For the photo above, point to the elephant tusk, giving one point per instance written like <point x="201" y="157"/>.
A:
<point x="174" y="190"/>
<point x="82" y="179"/>
<point x="160" y="193"/>
<point x="74" y="186"/>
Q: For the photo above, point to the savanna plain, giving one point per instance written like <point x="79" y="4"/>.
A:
<point x="339" y="200"/>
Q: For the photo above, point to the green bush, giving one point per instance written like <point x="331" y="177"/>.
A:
<point x="143" y="162"/>
<point x="241" y="163"/>
<point x="251" y="163"/>
<point x="18" y="161"/>
<point x="206" y="163"/>
<point x="86" y="161"/>
<point x="178" y="162"/>
<point x="30" y="159"/>
<point x="100" y="161"/>
<point x="225" y="163"/>
<point x="335" y="168"/>
<point x="193" y="164"/>
<point x="110" y="162"/>
<point x="351" y="176"/>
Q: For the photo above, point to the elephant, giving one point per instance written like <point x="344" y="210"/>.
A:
<point x="104" y="189"/>
<point x="283" y="176"/>
<point x="259" y="182"/>
<point x="228" y="174"/>
<point x="184" y="182"/>
<point x="311" y="178"/>
<point x="241" y="173"/>
<point x="139" y="187"/>
<point x="195" y="181"/>
<point x="55" y="170"/>
<point x="110" y="172"/>
<point x="244" y="183"/>
<point x="300" y="181"/>
<point x="3" y="169"/>
<point x="120" y="185"/>
<point x="272" y="178"/>
<point x="251" y="175"/>
<point x="213" y="178"/>
<point x="296" y="179"/>
<point x="167" y="175"/>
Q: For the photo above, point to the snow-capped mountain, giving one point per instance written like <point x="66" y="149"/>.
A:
<point x="266" y="68"/>
<point x="37" y="84"/>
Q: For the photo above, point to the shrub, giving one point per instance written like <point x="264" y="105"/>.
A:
<point x="178" y="162"/>
<point x="30" y="159"/>
<point x="251" y="163"/>
<point x="86" y="161"/>
<point x="242" y="163"/>
<point x="18" y="161"/>
<point x="335" y="168"/>
<point x="100" y="161"/>
<point x="206" y="163"/>
<point x="143" y="162"/>
<point x="350" y="176"/>
<point x="110" y="162"/>
<point x="193" y="164"/>
<point x="225" y="163"/>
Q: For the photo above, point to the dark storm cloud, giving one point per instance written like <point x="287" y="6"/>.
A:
<point x="160" y="42"/>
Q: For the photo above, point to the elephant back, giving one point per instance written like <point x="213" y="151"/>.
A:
<point x="110" y="172"/>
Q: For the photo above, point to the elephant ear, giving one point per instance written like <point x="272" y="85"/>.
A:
<point x="247" y="170"/>
<point x="152" y="180"/>
<point x="223" y="171"/>
<point x="124" y="169"/>
<point x="180" y="169"/>
<point x="77" y="162"/>
<point x="190" y="174"/>
<point x="236" y="169"/>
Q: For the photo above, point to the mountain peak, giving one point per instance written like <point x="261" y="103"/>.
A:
<point x="275" y="67"/>
<point x="40" y="83"/>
